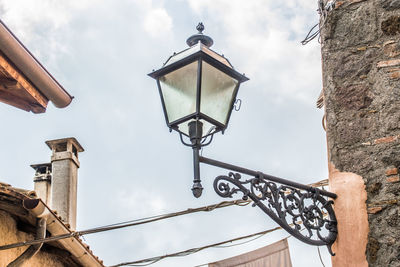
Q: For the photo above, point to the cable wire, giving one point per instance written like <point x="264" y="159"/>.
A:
<point x="320" y="257"/>
<point x="242" y="243"/>
<point x="153" y="260"/>
<point x="223" y="204"/>
<point x="323" y="11"/>
<point x="187" y="252"/>
<point x="311" y="35"/>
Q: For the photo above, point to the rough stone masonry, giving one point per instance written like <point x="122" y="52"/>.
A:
<point x="361" y="80"/>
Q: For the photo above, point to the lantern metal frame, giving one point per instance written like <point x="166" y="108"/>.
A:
<point x="203" y="54"/>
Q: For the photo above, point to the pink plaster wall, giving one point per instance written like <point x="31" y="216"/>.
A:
<point x="351" y="214"/>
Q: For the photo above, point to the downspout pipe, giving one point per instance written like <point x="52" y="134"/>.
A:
<point x="55" y="226"/>
<point x="33" y="249"/>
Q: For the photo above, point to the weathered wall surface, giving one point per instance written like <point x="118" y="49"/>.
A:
<point x="351" y="213"/>
<point x="361" y="77"/>
<point x="10" y="234"/>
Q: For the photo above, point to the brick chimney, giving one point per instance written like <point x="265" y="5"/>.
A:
<point x="64" y="168"/>
<point x="42" y="181"/>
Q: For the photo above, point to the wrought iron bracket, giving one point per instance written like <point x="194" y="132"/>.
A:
<point x="303" y="211"/>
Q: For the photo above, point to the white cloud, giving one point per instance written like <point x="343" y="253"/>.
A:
<point x="157" y="22"/>
<point x="24" y="15"/>
<point x="267" y="34"/>
<point x="42" y="25"/>
<point x="129" y="202"/>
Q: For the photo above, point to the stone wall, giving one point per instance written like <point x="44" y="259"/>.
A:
<point x="361" y="79"/>
<point x="10" y="234"/>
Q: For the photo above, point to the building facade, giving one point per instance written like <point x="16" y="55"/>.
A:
<point x="361" y="72"/>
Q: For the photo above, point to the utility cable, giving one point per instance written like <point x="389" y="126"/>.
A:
<point x="323" y="11"/>
<point x="150" y="261"/>
<point x="223" y="204"/>
<point x="311" y="34"/>
<point x="242" y="243"/>
<point x="320" y="257"/>
<point x="187" y="252"/>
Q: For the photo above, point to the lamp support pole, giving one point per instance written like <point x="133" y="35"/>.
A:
<point x="195" y="134"/>
<point x="303" y="211"/>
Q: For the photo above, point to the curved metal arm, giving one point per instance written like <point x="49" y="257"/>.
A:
<point x="287" y="206"/>
<point x="288" y="203"/>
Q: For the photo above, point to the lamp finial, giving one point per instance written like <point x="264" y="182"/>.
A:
<point x="204" y="39"/>
<point x="200" y="27"/>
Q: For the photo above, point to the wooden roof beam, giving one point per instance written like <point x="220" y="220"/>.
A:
<point x="20" y="83"/>
<point x="18" y="102"/>
<point x="7" y="84"/>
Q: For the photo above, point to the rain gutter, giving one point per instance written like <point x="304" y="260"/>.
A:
<point x="32" y="68"/>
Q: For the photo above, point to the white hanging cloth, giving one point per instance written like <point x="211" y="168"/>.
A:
<point x="274" y="255"/>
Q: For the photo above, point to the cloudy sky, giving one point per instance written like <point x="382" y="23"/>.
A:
<point x="101" y="52"/>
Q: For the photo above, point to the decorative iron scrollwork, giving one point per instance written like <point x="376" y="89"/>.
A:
<point x="286" y="205"/>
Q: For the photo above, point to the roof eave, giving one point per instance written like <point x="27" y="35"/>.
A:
<point x="32" y="68"/>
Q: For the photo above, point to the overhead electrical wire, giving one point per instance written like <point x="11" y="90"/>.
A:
<point x="323" y="11"/>
<point x="242" y="243"/>
<point x="223" y="204"/>
<point x="320" y="257"/>
<point x="208" y="208"/>
<point x="150" y="261"/>
<point x="187" y="252"/>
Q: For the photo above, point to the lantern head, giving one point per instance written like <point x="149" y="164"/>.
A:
<point x="198" y="84"/>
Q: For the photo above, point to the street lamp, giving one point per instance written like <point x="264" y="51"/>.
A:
<point x="198" y="89"/>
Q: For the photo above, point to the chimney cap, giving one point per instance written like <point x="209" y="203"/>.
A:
<point x="40" y="165"/>
<point x="52" y="143"/>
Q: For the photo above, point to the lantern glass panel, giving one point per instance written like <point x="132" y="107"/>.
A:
<point x="183" y="54"/>
<point x="179" y="91"/>
<point x="217" y="92"/>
